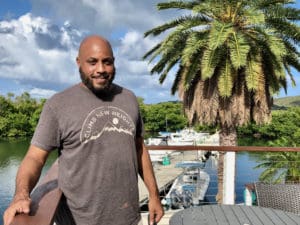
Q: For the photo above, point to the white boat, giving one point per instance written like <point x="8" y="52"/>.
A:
<point x="186" y="136"/>
<point x="189" y="188"/>
<point x="180" y="139"/>
<point x="160" y="140"/>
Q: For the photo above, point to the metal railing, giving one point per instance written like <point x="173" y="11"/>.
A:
<point x="46" y="195"/>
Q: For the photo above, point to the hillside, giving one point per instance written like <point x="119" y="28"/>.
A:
<point x="287" y="102"/>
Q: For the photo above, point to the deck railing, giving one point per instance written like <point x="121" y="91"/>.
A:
<point x="46" y="195"/>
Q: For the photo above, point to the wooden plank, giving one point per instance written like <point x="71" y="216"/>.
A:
<point x="251" y="214"/>
<point x="230" y="215"/>
<point x="240" y="214"/>
<point x="220" y="216"/>
<point x="45" y="198"/>
<point x="273" y="216"/>
<point x="209" y="215"/>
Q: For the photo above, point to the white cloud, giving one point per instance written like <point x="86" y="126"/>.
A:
<point x="40" y="52"/>
<point x="41" y="93"/>
<point x="105" y="16"/>
<point x="36" y="50"/>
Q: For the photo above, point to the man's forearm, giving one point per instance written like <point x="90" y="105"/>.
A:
<point x="146" y="170"/>
<point x="156" y="211"/>
<point x="29" y="172"/>
<point x="27" y="177"/>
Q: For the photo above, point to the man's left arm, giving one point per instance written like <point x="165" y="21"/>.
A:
<point x="146" y="172"/>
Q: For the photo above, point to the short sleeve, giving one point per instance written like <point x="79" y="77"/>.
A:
<point x="140" y="126"/>
<point x="46" y="135"/>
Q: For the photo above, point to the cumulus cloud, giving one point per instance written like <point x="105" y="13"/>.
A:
<point x="134" y="72"/>
<point x="105" y="16"/>
<point x="32" y="48"/>
<point x="41" y="93"/>
<point x="40" y="52"/>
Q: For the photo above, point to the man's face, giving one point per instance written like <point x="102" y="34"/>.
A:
<point x="96" y="67"/>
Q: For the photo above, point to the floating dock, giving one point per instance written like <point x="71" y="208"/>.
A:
<point x="165" y="174"/>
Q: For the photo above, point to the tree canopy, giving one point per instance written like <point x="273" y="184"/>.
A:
<point x="231" y="55"/>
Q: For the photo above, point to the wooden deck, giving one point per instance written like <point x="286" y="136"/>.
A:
<point x="165" y="174"/>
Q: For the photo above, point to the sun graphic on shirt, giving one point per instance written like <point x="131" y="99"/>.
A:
<point x="115" y="121"/>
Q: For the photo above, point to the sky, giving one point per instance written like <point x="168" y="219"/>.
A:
<point x="39" y="40"/>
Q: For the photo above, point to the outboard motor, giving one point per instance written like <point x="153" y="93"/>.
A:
<point x="186" y="199"/>
<point x="175" y="200"/>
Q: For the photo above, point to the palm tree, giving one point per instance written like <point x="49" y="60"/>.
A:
<point x="280" y="167"/>
<point x="231" y="57"/>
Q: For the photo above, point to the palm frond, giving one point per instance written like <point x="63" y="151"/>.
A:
<point x="177" y="80"/>
<point x="152" y="51"/>
<point x="170" y="64"/>
<point x="185" y="21"/>
<point x="176" y="5"/>
<point x="210" y="61"/>
<point x="253" y="69"/>
<point x="219" y="33"/>
<point x="195" y="43"/>
<point x="239" y="49"/>
<point x="225" y="83"/>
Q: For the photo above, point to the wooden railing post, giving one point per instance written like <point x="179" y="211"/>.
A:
<point x="229" y="178"/>
<point x="45" y="198"/>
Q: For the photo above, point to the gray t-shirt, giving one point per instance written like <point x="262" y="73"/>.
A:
<point x="98" y="162"/>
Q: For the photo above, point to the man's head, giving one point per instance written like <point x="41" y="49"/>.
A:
<point x="96" y="64"/>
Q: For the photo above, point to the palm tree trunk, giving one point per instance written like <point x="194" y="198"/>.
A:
<point x="228" y="137"/>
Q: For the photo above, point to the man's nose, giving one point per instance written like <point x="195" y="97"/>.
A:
<point x="100" y="67"/>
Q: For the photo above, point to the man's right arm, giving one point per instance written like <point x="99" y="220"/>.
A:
<point x="27" y="177"/>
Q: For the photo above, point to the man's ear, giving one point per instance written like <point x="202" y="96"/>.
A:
<point x="78" y="61"/>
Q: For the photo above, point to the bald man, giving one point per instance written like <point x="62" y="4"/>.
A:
<point x="97" y="129"/>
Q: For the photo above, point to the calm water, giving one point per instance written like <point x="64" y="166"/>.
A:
<point x="12" y="152"/>
<point x="245" y="173"/>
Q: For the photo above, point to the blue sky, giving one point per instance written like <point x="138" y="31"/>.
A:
<point x="39" y="41"/>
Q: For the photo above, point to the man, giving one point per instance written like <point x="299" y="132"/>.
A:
<point x="97" y="128"/>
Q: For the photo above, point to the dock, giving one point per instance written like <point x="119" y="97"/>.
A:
<point x="164" y="175"/>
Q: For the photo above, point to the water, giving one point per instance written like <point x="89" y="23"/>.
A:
<point x="11" y="155"/>
<point x="12" y="152"/>
<point x="245" y="173"/>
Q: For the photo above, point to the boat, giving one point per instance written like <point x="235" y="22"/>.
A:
<point x="159" y="140"/>
<point x="189" y="188"/>
<point x="187" y="136"/>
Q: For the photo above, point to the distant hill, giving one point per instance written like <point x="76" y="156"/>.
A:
<point x="286" y="102"/>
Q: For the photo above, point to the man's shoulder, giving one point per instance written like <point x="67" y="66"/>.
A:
<point x="64" y="95"/>
<point x="123" y="90"/>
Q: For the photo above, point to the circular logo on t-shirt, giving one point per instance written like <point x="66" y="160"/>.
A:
<point x="106" y="119"/>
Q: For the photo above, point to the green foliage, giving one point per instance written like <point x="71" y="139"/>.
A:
<point x="283" y="131"/>
<point x="19" y="115"/>
<point x="167" y="116"/>
<point x="280" y="167"/>
<point x="285" y="125"/>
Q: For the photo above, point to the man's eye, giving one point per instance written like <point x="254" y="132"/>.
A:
<point x="108" y="62"/>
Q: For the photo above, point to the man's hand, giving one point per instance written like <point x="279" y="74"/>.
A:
<point x="19" y="205"/>
<point x="156" y="211"/>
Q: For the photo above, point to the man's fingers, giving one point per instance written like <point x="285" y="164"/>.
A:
<point x="8" y="216"/>
<point x="18" y="207"/>
<point x="152" y="218"/>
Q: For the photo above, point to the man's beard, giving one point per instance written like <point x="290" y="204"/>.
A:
<point x="99" y="91"/>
